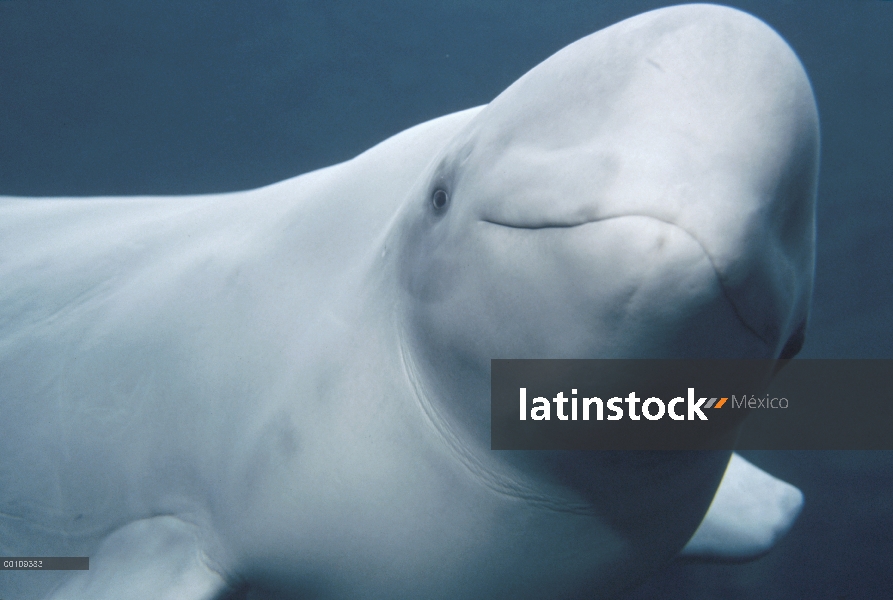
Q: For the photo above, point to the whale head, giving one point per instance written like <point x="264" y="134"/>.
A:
<point x="648" y="191"/>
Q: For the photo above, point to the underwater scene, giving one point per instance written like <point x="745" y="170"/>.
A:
<point x="183" y="97"/>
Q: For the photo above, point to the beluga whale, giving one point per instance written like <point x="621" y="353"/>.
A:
<point x="284" y="392"/>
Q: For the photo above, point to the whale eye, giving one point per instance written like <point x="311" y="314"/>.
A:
<point x="439" y="199"/>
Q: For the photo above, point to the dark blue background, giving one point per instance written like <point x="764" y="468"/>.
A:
<point x="174" y="97"/>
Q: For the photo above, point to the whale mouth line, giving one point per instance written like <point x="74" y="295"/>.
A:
<point x="545" y="225"/>
<point x="571" y="224"/>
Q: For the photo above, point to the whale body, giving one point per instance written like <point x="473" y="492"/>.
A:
<point x="284" y="392"/>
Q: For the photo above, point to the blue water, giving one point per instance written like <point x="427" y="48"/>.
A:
<point x="173" y="97"/>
